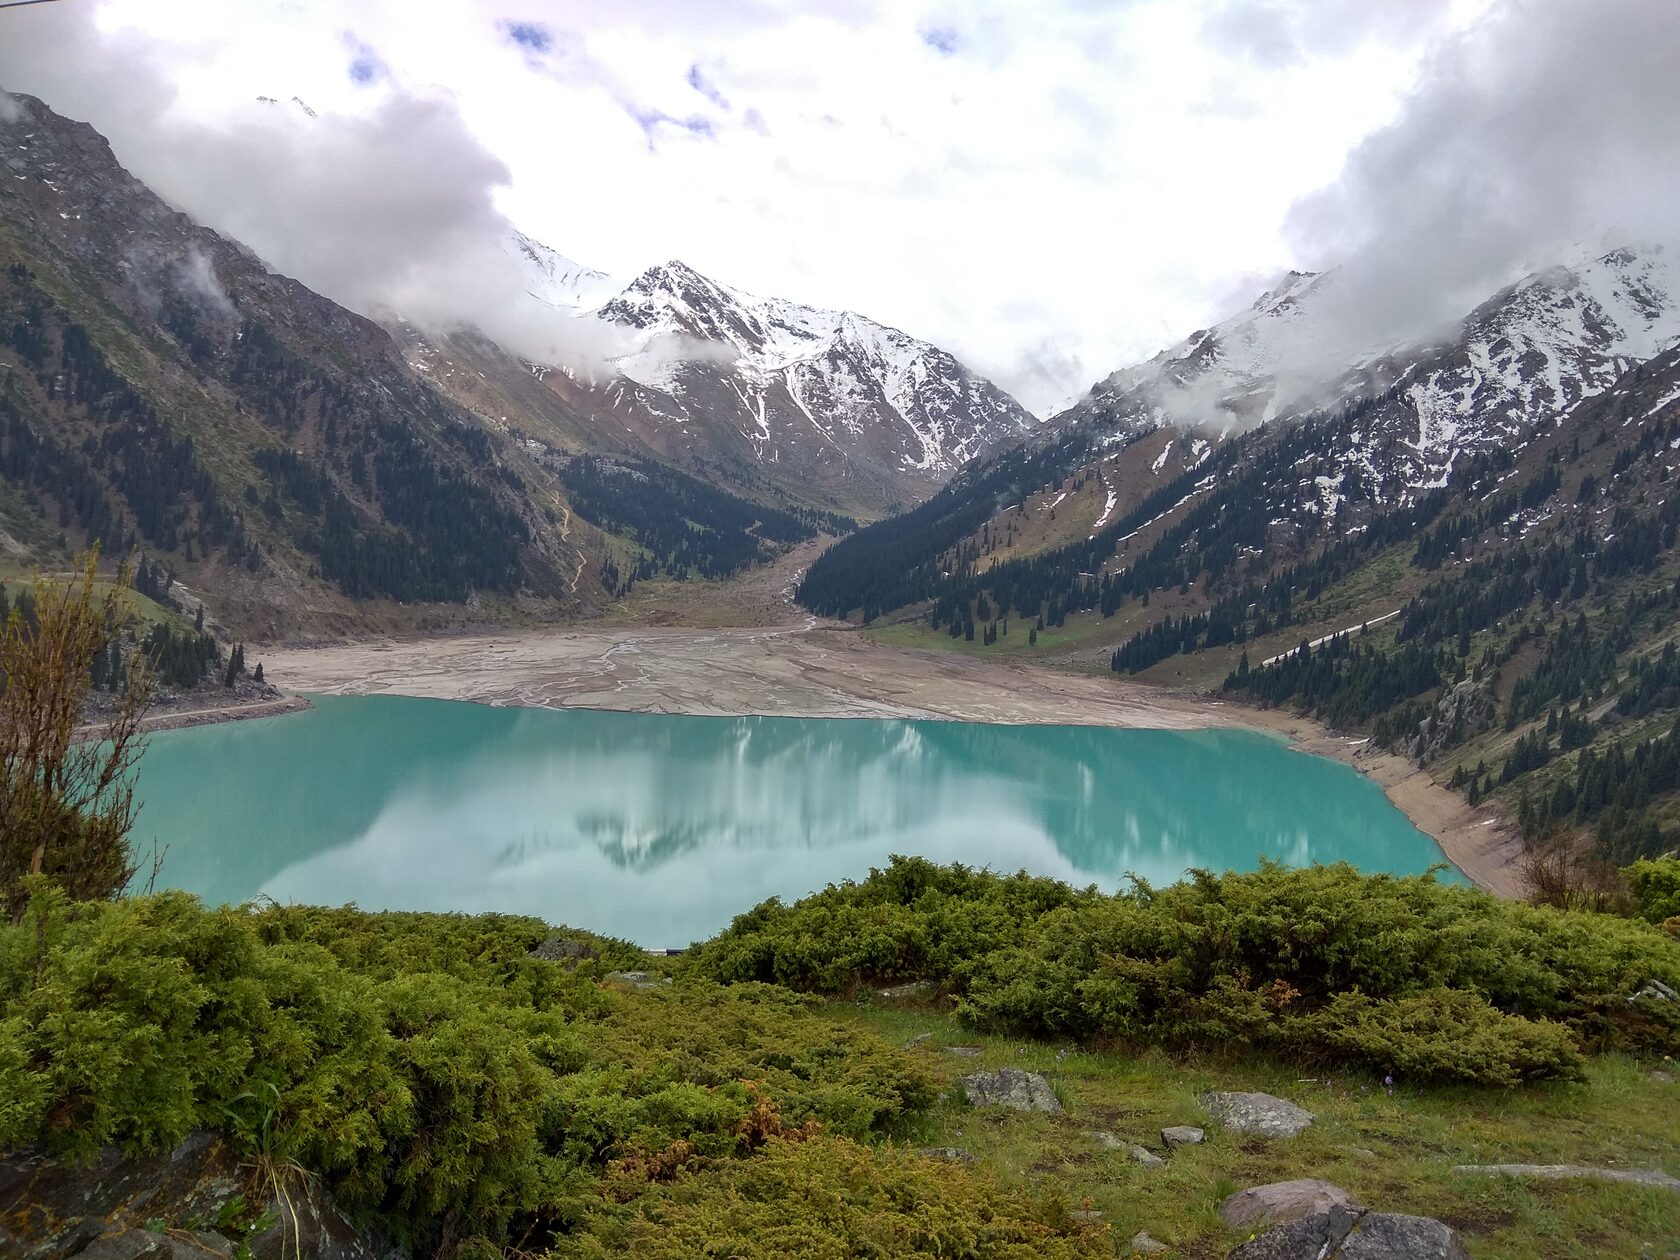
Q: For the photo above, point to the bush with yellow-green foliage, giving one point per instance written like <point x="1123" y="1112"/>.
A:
<point x="829" y="1199"/>
<point x="444" y="1083"/>
<point x="1320" y="964"/>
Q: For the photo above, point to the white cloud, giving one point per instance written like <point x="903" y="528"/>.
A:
<point x="1049" y="190"/>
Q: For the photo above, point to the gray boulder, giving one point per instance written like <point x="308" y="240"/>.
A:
<point x="1108" y="1141"/>
<point x="1143" y="1244"/>
<point x="1143" y="1155"/>
<point x="1259" y="1114"/>
<point x="1182" y="1135"/>
<point x="1656" y="993"/>
<point x="1280" y="1202"/>
<point x="1353" y="1235"/>
<point x="1012" y="1088"/>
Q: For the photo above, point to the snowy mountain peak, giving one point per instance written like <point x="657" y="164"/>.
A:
<point x="854" y="401"/>
<point x="1548" y="340"/>
<point x="554" y="279"/>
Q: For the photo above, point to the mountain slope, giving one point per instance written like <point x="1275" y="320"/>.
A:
<point x="1384" y="429"/>
<point x="164" y="390"/>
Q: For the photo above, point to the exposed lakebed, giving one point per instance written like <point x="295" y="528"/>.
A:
<point x="660" y="828"/>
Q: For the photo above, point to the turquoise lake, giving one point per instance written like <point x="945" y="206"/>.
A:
<point x="662" y="828"/>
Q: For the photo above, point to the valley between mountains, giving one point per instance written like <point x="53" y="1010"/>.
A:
<point x="1458" y="552"/>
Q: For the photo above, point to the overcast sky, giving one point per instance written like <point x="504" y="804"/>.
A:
<point x="1050" y="190"/>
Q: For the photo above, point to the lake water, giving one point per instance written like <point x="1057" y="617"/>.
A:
<point x="662" y="828"/>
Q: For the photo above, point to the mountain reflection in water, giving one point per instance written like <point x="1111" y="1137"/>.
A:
<point x="660" y="828"/>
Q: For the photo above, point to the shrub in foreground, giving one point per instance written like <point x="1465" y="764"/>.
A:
<point x="443" y="1082"/>
<point x="1320" y="963"/>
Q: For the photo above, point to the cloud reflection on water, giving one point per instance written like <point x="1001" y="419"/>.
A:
<point x="661" y="828"/>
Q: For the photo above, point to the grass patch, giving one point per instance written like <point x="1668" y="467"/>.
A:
<point x="1394" y="1152"/>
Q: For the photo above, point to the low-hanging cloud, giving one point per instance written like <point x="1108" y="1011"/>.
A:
<point x="195" y="277"/>
<point x="1541" y="135"/>
<point x="1544" y="132"/>
<point x="388" y="212"/>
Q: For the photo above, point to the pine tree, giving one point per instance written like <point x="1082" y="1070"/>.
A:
<point x="235" y="665"/>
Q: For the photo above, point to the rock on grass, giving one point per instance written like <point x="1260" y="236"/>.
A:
<point x="1259" y="1114"/>
<point x="1013" y="1088"/>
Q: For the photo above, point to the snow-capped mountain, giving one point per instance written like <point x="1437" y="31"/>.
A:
<point x="873" y="392"/>
<point x="1218" y="378"/>
<point x="1529" y="354"/>
<point x="1521" y="359"/>
<point x="821" y="407"/>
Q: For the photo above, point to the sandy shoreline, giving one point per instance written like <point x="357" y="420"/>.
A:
<point x="821" y="670"/>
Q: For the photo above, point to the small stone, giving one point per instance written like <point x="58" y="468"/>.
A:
<point x="954" y="1154"/>
<point x="1108" y="1141"/>
<point x="1182" y="1135"/>
<point x="1143" y="1155"/>
<point x="1143" y="1244"/>
<point x="1280" y="1202"/>
<point x="920" y="1039"/>
<point x="1259" y="1114"/>
<point x="964" y="1052"/>
<point x="1087" y="1216"/>
<point x="1012" y="1088"/>
<point x="1661" y="1077"/>
<point x="902" y="992"/>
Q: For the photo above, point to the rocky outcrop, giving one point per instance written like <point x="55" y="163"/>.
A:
<point x="1341" y="1234"/>
<point x="1013" y="1088"/>
<point x="194" y="1201"/>
<point x="1464" y="710"/>
<point x="1259" y="1114"/>
<point x="1280" y="1202"/>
